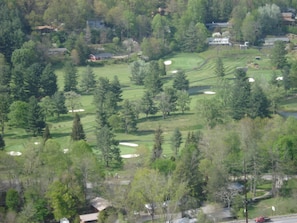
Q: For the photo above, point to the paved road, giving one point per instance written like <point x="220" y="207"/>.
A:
<point x="276" y="219"/>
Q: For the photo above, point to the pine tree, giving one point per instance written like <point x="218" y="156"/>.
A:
<point x="70" y="77"/>
<point x="2" y="142"/>
<point x="35" y="117"/>
<point x="48" y="81"/>
<point x="152" y="81"/>
<point x="159" y="139"/>
<point x="176" y="141"/>
<point x="77" y="129"/>
<point x="259" y="104"/>
<point x="88" y="82"/>
<point x="108" y="147"/>
<point x="180" y="81"/>
<point x="128" y="117"/>
<point x="278" y="55"/>
<point x="46" y="134"/>
<point x="240" y="95"/>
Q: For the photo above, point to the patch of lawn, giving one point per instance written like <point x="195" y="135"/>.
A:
<point x="199" y="69"/>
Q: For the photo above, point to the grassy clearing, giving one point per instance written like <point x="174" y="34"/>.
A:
<point x="200" y="72"/>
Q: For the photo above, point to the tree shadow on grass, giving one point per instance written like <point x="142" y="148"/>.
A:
<point x="17" y="136"/>
<point x="143" y="133"/>
<point x="195" y="90"/>
<point x="59" y="135"/>
<point x="63" y="118"/>
<point x="160" y="117"/>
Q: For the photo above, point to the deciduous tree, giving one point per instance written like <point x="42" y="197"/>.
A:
<point x="147" y="104"/>
<point x="183" y="101"/>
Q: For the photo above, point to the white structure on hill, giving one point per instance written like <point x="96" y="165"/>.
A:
<point x="219" y="41"/>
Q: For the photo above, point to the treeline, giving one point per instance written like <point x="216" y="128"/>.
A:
<point x="160" y="26"/>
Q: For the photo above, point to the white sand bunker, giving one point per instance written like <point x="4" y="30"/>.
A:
<point x="128" y="144"/>
<point x="209" y="92"/>
<point x="127" y="156"/>
<point x="174" y="71"/>
<point x="279" y="78"/>
<point x="14" y="153"/>
<point x="77" y="110"/>
<point x="251" y="79"/>
<point x="167" y="62"/>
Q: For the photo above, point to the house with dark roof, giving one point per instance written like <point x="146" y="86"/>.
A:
<point x="96" y="24"/>
<point x="288" y="18"/>
<point x="98" y="204"/>
<point x="100" y="56"/>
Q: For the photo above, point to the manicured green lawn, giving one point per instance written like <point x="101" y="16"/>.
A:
<point x="199" y="69"/>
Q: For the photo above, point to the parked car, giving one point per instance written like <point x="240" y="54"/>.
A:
<point x="262" y="219"/>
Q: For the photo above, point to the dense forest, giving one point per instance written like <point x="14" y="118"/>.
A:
<point x="241" y="135"/>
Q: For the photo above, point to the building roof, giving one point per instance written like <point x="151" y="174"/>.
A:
<point x="100" y="203"/>
<point x="44" y="27"/>
<point x="89" y="217"/>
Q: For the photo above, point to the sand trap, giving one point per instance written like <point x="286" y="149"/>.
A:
<point x="77" y="110"/>
<point x="14" y="153"/>
<point x="251" y="79"/>
<point x="127" y="156"/>
<point x="65" y="150"/>
<point x="128" y="144"/>
<point x="209" y="92"/>
<point x="279" y="78"/>
<point x="167" y="62"/>
<point x="174" y="71"/>
<point x="36" y="143"/>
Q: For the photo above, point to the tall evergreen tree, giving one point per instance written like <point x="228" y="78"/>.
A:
<point x="46" y="134"/>
<point x="128" y="117"/>
<point x="190" y="40"/>
<point x="2" y="142"/>
<point x="153" y="81"/>
<point x="88" y="82"/>
<point x="241" y="91"/>
<point x="158" y="142"/>
<point x="4" y="110"/>
<point x="180" y="81"/>
<point x="58" y="100"/>
<point x="35" y="117"/>
<point x="12" y="35"/>
<point x="115" y="88"/>
<point x="138" y="72"/>
<point x="70" y="77"/>
<point x="176" y="141"/>
<point x="187" y="170"/>
<point x="278" y="55"/>
<point x="48" y="81"/>
<point x="259" y="104"/>
<point x="108" y="147"/>
<point x="77" y="129"/>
